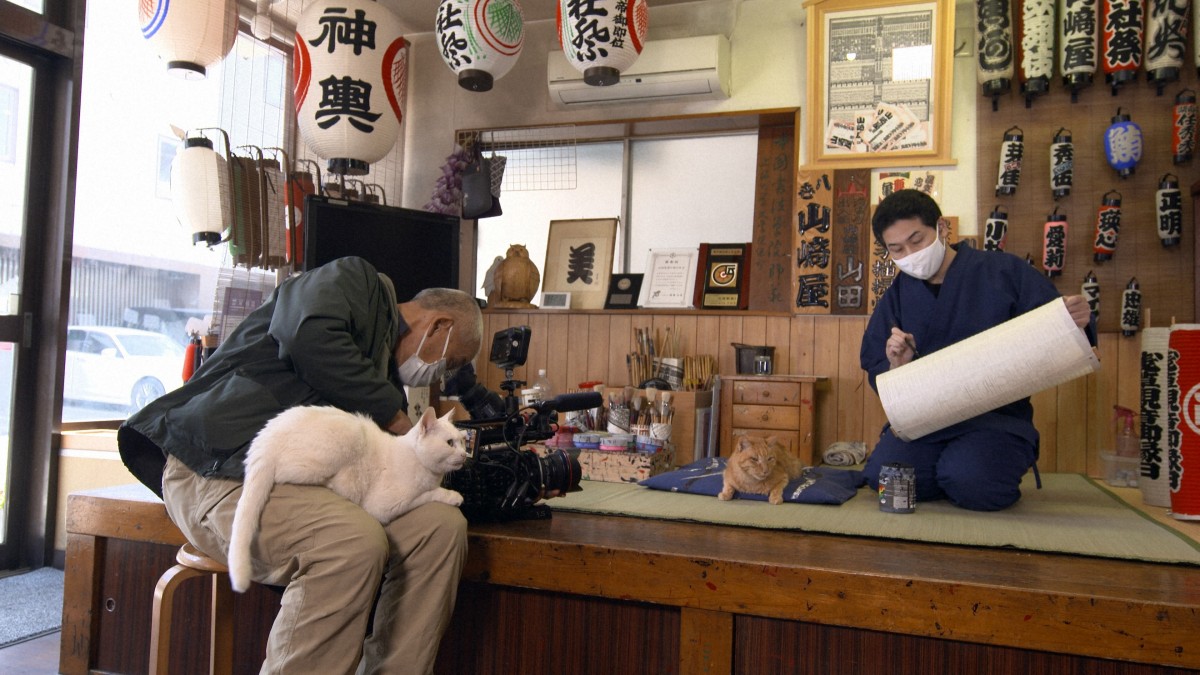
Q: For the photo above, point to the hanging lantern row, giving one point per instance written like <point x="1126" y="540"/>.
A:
<point x="190" y="35"/>
<point x="1054" y="244"/>
<point x="1119" y="37"/>
<point x="480" y="39"/>
<point x="1108" y="227"/>
<point x="350" y="71"/>
<point x="602" y="38"/>
<point x="1062" y="164"/>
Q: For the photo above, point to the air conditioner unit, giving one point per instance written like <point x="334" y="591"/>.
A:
<point x="681" y="68"/>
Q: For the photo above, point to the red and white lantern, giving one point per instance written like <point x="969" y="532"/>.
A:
<point x="350" y="70"/>
<point x="200" y="190"/>
<point x="1121" y="41"/>
<point x="1166" y="40"/>
<point x="1108" y="227"/>
<point x="480" y="39"/>
<point x="602" y="38"/>
<point x="1054" y="244"/>
<point x="189" y="35"/>
<point x="1077" y="21"/>
<point x="1035" y="35"/>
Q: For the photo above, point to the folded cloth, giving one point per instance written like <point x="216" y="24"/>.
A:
<point x="845" y="453"/>
<point x="817" y="485"/>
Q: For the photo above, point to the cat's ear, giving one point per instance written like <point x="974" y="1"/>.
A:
<point x="428" y="417"/>
<point x="448" y="417"/>
<point x="744" y="442"/>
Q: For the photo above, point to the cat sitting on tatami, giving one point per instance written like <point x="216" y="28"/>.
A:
<point x="386" y="475"/>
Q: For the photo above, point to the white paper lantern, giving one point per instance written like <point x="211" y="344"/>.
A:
<point x="350" y="69"/>
<point x="480" y="39"/>
<point x="1077" y="20"/>
<point x="200" y="191"/>
<point x="994" y="47"/>
<point x="189" y="35"/>
<point x="602" y="38"/>
<point x="1036" y="53"/>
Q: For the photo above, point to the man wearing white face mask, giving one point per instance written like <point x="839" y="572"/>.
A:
<point x="945" y="294"/>
<point x="333" y="336"/>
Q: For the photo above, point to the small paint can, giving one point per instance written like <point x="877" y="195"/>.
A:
<point x="897" y="488"/>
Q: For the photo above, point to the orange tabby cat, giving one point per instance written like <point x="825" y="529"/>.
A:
<point x="760" y="466"/>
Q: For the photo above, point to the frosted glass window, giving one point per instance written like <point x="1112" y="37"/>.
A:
<point x="686" y="191"/>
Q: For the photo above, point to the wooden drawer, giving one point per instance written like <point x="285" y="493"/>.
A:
<point x="766" y="417"/>
<point x="786" y="438"/>
<point x="767" y="393"/>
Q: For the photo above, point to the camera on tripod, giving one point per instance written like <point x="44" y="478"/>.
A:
<point x="504" y="480"/>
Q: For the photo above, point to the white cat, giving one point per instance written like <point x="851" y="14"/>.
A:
<point x="387" y="475"/>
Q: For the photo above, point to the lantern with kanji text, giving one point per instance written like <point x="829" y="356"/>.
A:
<point x="1108" y="227"/>
<point x="480" y="39"/>
<point x="1123" y="144"/>
<point x="1131" y="308"/>
<point x="1183" y="123"/>
<point x="1168" y="207"/>
<point x="1077" y="44"/>
<point x="994" y="47"/>
<point x="1120" y="41"/>
<point x="1062" y="163"/>
<point x="1012" y="150"/>
<point x="1165" y="41"/>
<point x="995" y="230"/>
<point x="1054" y="244"/>
<point x="602" y="38"/>
<point x="1091" y="292"/>
<point x="1035" y="40"/>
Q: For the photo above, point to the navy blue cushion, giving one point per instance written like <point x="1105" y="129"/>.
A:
<point x="818" y="485"/>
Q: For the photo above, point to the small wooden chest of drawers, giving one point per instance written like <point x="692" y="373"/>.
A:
<point x="769" y="405"/>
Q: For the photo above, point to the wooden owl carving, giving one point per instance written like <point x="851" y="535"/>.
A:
<point x="516" y="280"/>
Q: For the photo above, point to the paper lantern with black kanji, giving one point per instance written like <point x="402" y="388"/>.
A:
<point x="189" y="35"/>
<point x="1077" y="30"/>
<point x="994" y="47"/>
<point x="602" y="38"/>
<point x="480" y="39"/>
<point x="350" y="71"/>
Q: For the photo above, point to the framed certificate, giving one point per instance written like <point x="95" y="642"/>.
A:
<point x="670" y="277"/>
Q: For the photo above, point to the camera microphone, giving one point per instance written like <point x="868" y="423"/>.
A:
<point x="584" y="400"/>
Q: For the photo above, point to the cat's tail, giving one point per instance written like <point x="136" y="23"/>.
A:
<point x="256" y="488"/>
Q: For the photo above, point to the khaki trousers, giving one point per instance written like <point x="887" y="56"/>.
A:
<point x="332" y="556"/>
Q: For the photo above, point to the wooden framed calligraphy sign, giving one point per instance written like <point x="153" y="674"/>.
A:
<point x="879" y="75"/>
<point x="579" y="260"/>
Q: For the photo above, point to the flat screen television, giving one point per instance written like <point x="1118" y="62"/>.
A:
<point x="416" y="249"/>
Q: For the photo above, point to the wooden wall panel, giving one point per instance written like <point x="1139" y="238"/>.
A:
<point x="1075" y="419"/>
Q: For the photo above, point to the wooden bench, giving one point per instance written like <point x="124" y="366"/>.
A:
<point x="581" y="593"/>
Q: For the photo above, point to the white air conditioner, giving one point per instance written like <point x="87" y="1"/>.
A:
<point x="687" y="68"/>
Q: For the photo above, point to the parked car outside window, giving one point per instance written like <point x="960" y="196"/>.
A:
<point x="120" y="366"/>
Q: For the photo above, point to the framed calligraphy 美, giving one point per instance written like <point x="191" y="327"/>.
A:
<point x="879" y="77"/>
<point x="579" y="260"/>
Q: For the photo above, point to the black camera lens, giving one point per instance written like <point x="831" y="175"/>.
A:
<point x="560" y="472"/>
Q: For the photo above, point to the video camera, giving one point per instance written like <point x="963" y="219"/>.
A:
<point x="503" y="480"/>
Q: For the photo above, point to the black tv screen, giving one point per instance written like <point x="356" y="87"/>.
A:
<point x="416" y="249"/>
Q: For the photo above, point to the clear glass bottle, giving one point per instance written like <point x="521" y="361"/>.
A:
<point x="545" y="390"/>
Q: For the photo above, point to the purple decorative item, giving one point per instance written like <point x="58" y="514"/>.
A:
<point x="1123" y="144"/>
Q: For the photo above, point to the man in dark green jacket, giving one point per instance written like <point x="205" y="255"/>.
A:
<point x="332" y="336"/>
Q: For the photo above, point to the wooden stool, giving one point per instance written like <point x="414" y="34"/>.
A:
<point x="192" y="563"/>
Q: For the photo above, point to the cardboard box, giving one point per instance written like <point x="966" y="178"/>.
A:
<point x="624" y="467"/>
<point x="690" y="426"/>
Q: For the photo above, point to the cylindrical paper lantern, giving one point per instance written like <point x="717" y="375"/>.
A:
<point x="1108" y="226"/>
<point x="1091" y="292"/>
<point x="994" y="47"/>
<point x="1035" y="35"/>
<point x="995" y="230"/>
<point x="1012" y="149"/>
<point x="1131" y="308"/>
<point x="350" y="70"/>
<point x="1183" y="138"/>
<point x="1123" y="144"/>
<point x="200" y="190"/>
<point x="1054" y="244"/>
<point x="1062" y="164"/>
<point x="1168" y="207"/>
<point x="1120" y="41"/>
<point x="480" y="39"/>
<point x="1077" y="20"/>
<point x="1183" y="454"/>
<point x="602" y="38"/>
<point x="189" y="35"/>
<point x="1166" y="40"/>
<point x="1152" y="481"/>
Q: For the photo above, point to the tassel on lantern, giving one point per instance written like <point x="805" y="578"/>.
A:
<point x="1077" y="44"/>
<point x="1120" y="41"/>
<point x="480" y="39"/>
<point x="1123" y="144"/>
<point x="994" y="47"/>
<point x="1091" y="292"/>
<point x="1035" y="36"/>
<point x="602" y="38"/>
<point x="1131" y="308"/>
<point x="1108" y="227"/>
<point x="1012" y="149"/>
<point x="1183" y="138"/>
<point x="1166" y="37"/>
<point x="351" y="65"/>
<point x="1168" y="206"/>
<point x="1054" y="243"/>
<point x="995" y="230"/>
<point x="1062" y="164"/>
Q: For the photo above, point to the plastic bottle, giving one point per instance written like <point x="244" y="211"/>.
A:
<point x="1128" y="444"/>
<point x="544" y="390"/>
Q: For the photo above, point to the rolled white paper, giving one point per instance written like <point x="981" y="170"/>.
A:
<point x="1035" y="351"/>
